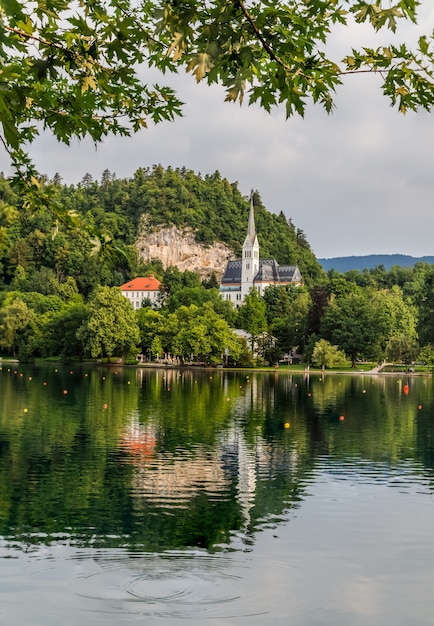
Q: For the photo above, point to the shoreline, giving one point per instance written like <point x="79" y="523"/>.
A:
<point x="265" y="370"/>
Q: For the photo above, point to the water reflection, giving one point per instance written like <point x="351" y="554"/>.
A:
<point x="166" y="459"/>
<point x="133" y="494"/>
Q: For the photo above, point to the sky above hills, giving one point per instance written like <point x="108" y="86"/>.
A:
<point x="357" y="182"/>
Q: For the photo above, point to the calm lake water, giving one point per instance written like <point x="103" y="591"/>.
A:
<point x="136" y="496"/>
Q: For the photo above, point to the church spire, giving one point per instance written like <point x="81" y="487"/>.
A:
<point x="251" y="230"/>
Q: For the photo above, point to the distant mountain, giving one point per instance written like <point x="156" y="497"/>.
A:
<point x="347" y="263"/>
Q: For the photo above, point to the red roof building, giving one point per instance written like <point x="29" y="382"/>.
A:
<point x="142" y="288"/>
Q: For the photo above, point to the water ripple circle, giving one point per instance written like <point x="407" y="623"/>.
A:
<point x="178" y="586"/>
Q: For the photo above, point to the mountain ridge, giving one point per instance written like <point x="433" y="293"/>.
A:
<point x="369" y="261"/>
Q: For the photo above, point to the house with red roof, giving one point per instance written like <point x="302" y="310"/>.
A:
<point x="142" y="288"/>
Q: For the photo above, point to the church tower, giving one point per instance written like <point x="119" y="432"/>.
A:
<point x="250" y="259"/>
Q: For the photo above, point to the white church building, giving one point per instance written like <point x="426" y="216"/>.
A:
<point x="250" y="271"/>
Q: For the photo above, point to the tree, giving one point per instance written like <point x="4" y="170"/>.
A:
<point x="111" y="328"/>
<point x="424" y="298"/>
<point x="347" y="323"/>
<point x="401" y="349"/>
<point x="152" y="326"/>
<point x="287" y="315"/>
<point x="203" y="334"/>
<point x="326" y="355"/>
<point x="426" y="355"/>
<point x="362" y="321"/>
<point x="59" y="335"/>
<point x="77" y="72"/>
<point x="252" y="315"/>
<point x="15" y="324"/>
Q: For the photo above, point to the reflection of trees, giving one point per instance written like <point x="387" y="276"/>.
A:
<point x="55" y="459"/>
<point x="166" y="458"/>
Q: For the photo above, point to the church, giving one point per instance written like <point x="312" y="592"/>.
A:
<point x="250" y="271"/>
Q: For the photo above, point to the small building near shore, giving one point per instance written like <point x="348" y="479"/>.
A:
<point x="142" y="288"/>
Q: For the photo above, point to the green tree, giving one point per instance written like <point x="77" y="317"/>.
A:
<point x="252" y="315"/>
<point x="426" y="355"/>
<point x="201" y="333"/>
<point x="326" y="355"/>
<point x="111" y="327"/>
<point x="287" y="314"/>
<point x="15" y="324"/>
<point x="152" y="325"/>
<point x="156" y="346"/>
<point x="77" y="72"/>
<point x="59" y="335"/>
<point x="401" y="349"/>
<point x="362" y="321"/>
<point x="424" y="299"/>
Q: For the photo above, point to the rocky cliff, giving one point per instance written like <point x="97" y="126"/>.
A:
<point x="177" y="247"/>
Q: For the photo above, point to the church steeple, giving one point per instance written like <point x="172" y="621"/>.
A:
<point x="251" y="230"/>
<point x="250" y="260"/>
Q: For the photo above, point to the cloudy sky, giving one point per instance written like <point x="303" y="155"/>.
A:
<point x="359" y="181"/>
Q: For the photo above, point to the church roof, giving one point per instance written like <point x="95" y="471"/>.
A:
<point x="232" y="273"/>
<point x="269" y="271"/>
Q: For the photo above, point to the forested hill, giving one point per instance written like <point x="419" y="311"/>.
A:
<point x="31" y="258"/>
<point x="212" y="206"/>
<point x="348" y="263"/>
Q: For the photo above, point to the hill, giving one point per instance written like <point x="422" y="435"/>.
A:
<point x="348" y="263"/>
<point x="210" y="207"/>
<point x="174" y="203"/>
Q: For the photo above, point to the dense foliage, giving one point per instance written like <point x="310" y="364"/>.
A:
<point x="119" y="208"/>
<point x="58" y="299"/>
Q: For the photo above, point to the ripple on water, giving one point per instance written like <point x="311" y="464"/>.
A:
<point x="174" y="584"/>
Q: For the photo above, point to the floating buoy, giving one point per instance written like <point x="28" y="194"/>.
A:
<point x="104" y="406"/>
<point x="30" y="378"/>
<point x="406" y="389"/>
<point x="286" y="425"/>
<point x="65" y="391"/>
<point x="419" y="406"/>
<point x="341" y="418"/>
<point x="25" y="410"/>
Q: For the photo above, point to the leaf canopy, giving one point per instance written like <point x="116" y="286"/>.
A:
<point x="81" y="70"/>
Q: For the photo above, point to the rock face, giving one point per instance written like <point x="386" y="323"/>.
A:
<point x="177" y="247"/>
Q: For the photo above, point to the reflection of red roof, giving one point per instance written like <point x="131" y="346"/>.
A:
<point x="142" y="284"/>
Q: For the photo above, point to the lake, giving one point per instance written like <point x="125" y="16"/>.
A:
<point x="137" y="496"/>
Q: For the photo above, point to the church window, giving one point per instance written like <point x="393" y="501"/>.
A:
<point x="247" y="266"/>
